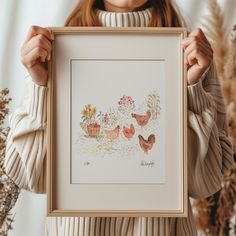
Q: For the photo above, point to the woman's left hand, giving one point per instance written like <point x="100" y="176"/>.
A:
<point x="198" y="55"/>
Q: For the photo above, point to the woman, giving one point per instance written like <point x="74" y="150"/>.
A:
<point x="209" y="150"/>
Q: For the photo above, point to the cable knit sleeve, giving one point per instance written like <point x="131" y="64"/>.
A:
<point x="25" y="159"/>
<point x="209" y="149"/>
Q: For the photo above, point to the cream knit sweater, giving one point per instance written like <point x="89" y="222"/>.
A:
<point x="209" y="153"/>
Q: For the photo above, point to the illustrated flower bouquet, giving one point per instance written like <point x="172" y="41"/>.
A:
<point x="89" y="123"/>
<point x="126" y="105"/>
<point x="153" y="103"/>
<point x="108" y="119"/>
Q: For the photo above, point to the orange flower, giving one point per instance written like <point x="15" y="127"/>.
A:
<point x="89" y="111"/>
<point x="85" y="113"/>
<point x="93" y="111"/>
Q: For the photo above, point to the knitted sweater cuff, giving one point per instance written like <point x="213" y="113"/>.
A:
<point x="38" y="103"/>
<point x="198" y="99"/>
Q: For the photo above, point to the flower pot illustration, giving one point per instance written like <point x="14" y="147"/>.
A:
<point x="93" y="130"/>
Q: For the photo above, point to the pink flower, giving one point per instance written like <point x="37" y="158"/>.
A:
<point x="105" y="118"/>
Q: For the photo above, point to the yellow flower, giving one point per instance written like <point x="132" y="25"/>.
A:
<point x="85" y="113"/>
<point x="93" y="111"/>
<point x="89" y="111"/>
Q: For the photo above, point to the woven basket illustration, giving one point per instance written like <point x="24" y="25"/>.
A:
<point x="93" y="130"/>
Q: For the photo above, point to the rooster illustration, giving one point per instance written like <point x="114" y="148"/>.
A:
<point x="147" y="145"/>
<point x="142" y="120"/>
<point x="113" y="134"/>
<point x="129" y="132"/>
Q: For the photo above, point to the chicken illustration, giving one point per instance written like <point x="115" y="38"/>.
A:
<point x="113" y="134"/>
<point x="142" y="120"/>
<point x="129" y="132"/>
<point x="147" y="145"/>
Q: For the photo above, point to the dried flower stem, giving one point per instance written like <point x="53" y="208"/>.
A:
<point x="9" y="192"/>
<point x="217" y="35"/>
<point x="214" y="214"/>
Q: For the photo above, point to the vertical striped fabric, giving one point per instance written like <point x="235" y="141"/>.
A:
<point x="209" y="152"/>
<point x="124" y="19"/>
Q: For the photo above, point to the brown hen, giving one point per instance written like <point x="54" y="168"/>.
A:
<point x="147" y="145"/>
<point x="113" y="134"/>
<point x="142" y="120"/>
<point x="129" y="132"/>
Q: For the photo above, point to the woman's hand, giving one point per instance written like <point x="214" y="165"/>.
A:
<point x="198" y="55"/>
<point x="34" y="53"/>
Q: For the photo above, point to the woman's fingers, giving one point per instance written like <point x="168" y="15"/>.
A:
<point x="37" y="46"/>
<point x="197" y="43"/>
<point x="196" y="35"/>
<point x="194" y="41"/>
<point x="202" y="59"/>
<point x="30" y="59"/>
<point x="199" y="33"/>
<point x="198" y="54"/>
<point x="35" y="50"/>
<point x="194" y="44"/>
<point x="36" y="41"/>
<point x="35" y="30"/>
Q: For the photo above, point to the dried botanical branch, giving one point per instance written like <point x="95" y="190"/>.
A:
<point x="227" y="198"/>
<point x="203" y="211"/>
<point x="214" y="220"/>
<point x="9" y="192"/>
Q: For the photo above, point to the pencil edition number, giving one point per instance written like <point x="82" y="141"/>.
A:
<point x="86" y="163"/>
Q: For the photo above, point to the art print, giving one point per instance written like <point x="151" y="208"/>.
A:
<point x="117" y="121"/>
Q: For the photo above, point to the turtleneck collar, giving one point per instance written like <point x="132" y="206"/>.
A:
<point x="124" y="19"/>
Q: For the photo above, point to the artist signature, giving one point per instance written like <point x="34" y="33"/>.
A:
<point x="147" y="163"/>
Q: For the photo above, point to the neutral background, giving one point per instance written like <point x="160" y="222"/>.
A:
<point x="16" y="16"/>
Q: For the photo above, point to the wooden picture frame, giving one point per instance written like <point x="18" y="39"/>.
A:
<point x="117" y="122"/>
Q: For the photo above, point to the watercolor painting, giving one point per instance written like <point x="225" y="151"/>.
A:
<point x="114" y="129"/>
<point x="117" y="133"/>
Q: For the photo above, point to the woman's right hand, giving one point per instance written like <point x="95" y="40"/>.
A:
<point x="34" y="53"/>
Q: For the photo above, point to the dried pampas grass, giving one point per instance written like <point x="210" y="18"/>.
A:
<point x="217" y="35"/>
<point x="230" y="70"/>
<point x="230" y="88"/>
<point x="213" y="215"/>
<point x="225" y="57"/>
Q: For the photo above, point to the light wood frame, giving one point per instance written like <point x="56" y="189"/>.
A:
<point x="52" y="209"/>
